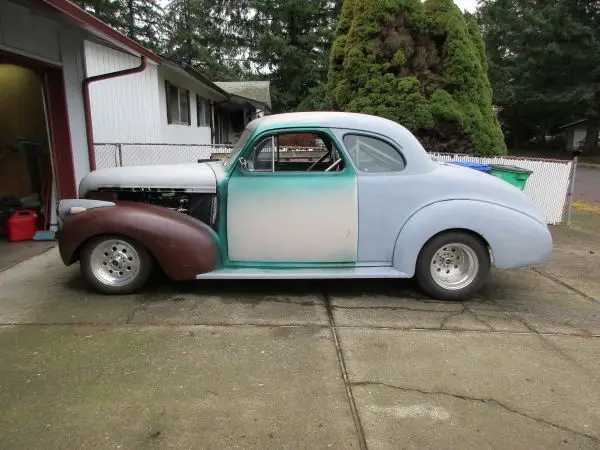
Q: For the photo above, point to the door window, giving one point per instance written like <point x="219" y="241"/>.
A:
<point x="294" y="152"/>
<point x="373" y="155"/>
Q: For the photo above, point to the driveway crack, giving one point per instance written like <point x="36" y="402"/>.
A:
<point x="566" y="285"/>
<point x="389" y="308"/>
<point x="528" y="326"/>
<point x="557" y="349"/>
<point x="134" y="311"/>
<point x="292" y="302"/>
<point x="362" y="441"/>
<point x="450" y="316"/>
<point x="480" y="400"/>
<point x="479" y="319"/>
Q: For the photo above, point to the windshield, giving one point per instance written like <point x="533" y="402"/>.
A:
<point x="237" y="148"/>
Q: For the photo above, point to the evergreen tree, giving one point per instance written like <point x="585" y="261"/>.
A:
<point x="110" y="12"/>
<point x="420" y="64"/>
<point x="544" y="61"/>
<point x="141" y="20"/>
<point x="144" y="22"/>
<point x="202" y="34"/>
<point x="290" y="40"/>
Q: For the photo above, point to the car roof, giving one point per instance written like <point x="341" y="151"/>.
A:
<point x="329" y="119"/>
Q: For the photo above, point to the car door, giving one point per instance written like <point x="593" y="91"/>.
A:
<point x="292" y="198"/>
<point x="388" y="192"/>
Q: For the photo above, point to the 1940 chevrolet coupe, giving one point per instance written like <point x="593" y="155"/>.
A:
<point x="371" y="204"/>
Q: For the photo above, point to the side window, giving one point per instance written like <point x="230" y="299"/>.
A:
<point x="294" y="152"/>
<point x="261" y="159"/>
<point x="373" y="155"/>
<point x="178" y="104"/>
<point x="203" y="112"/>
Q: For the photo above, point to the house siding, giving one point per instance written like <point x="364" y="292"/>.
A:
<point x="124" y="109"/>
<point x="71" y="45"/>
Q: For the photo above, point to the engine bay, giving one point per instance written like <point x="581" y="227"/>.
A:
<point x="200" y="206"/>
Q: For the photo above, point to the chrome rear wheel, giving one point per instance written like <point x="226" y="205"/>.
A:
<point x="454" y="266"/>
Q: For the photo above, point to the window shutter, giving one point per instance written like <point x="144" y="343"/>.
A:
<point x="212" y="121"/>
<point x="168" y="97"/>
<point x="198" y="110"/>
<point x="207" y="112"/>
<point x="189" y="113"/>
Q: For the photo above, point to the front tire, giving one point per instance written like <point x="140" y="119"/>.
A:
<point x="453" y="266"/>
<point x="115" y="265"/>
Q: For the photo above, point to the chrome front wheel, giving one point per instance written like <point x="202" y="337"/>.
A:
<point x="115" y="262"/>
<point x="115" y="265"/>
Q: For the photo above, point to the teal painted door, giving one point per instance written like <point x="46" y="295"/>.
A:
<point x="296" y="217"/>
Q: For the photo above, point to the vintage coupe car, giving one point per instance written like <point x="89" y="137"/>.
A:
<point x="371" y="204"/>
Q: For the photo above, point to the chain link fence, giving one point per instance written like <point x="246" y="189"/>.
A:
<point x="548" y="185"/>
<point x="116" y="155"/>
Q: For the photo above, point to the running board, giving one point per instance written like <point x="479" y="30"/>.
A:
<point x="253" y="273"/>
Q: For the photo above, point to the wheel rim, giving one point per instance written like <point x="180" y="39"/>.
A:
<point x="115" y="262"/>
<point x="454" y="266"/>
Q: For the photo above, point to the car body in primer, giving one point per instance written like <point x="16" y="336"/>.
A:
<point x="226" y="219"/>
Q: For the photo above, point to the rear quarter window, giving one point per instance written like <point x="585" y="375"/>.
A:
<point x="373" y="155"/>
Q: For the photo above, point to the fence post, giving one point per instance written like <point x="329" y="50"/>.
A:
<point x="119" y="155"/>
<point x="571" y="190"/>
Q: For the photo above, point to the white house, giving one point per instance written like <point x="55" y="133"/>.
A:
<point x="167" y="103"/>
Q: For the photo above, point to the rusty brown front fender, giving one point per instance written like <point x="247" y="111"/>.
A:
<point x="183" y="246"/>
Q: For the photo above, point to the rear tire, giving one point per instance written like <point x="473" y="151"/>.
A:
<point x="116" y="265"/>
<point x="453" y="266"/>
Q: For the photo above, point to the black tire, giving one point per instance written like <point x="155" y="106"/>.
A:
<point x="143" y="270"/>
<point x="425" y="261"/>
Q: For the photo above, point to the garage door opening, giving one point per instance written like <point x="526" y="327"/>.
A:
<point x="26" y="176"/>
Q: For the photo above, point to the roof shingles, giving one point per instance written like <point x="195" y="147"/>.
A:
<point x="255" y="90"/>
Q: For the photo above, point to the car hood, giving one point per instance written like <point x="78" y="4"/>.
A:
<point x="199" y="178"/>
<point x="464" y="182"/>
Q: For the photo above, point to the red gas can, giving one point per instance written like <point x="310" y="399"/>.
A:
<point x="22" y="225"/>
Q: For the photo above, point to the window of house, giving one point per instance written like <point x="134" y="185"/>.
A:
<point x="373" y="155"/>
<point x="294" y="152"/>
<point x="203" y="112"/>
<point x="178" y="104"/>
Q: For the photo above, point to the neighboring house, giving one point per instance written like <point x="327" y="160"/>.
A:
<point x="167" y="103"/>
<point x="575" y="133"/>
<point x="41" y="47"/>
<point x="256" y="95"/>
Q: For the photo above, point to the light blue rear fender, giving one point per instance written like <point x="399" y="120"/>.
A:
<point x="515" y="239"/>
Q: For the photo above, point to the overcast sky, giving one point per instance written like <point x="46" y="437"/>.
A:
<point x="469" y="5"/>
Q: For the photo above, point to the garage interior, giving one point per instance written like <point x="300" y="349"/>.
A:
<point x="25" y="161"/>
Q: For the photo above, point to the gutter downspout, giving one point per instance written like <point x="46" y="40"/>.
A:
<point x="87" y="106"/>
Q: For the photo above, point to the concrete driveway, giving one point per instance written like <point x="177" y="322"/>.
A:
<point x="364" y="364"/>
